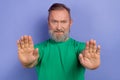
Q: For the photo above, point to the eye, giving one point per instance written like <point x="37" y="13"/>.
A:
<point x="54" y="21"/>
<point x="63" y="22"/>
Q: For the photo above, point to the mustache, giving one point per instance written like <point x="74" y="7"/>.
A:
<point x="59" y="30"/>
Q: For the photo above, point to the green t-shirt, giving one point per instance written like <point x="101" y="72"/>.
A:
<point x="59" y="60"/>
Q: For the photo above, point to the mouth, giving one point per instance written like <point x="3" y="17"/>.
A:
<point x="59" y="32"/>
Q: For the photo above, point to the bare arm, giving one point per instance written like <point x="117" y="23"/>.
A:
<point x="90" y="57"/>
<point x="27" y="55"/>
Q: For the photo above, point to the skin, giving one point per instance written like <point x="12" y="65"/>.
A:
<point x="58" y="20"/>
<point x="90" y="57"/>
<point x="26" y="53"/>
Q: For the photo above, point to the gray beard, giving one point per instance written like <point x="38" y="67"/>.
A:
<point x="58" y="38"/>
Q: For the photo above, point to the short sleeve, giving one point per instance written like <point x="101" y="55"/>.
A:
<point x="80" y="47"/>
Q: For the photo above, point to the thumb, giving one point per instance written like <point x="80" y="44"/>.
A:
<point x="81" y="58"/>
<point x="35" y="52"/>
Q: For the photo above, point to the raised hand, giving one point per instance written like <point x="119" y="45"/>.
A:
<point x="26" y="52"/>
<point x="90" y="57"/>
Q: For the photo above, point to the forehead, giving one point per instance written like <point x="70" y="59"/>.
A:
<point x="59" y="14"/>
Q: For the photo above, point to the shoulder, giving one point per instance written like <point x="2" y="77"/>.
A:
<point x="79" y="45"/>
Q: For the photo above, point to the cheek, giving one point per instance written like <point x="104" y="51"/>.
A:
<point x="67" y="28"/>
<point x="51" y="27"/>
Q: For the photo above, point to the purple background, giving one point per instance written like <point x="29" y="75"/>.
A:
<point x="97" y="19"/>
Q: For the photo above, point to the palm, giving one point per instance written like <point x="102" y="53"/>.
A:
<point x="90" y="57"/>
<point x="26" y="55"/>
<point x="26" y="51"/>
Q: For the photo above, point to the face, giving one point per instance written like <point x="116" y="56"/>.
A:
<point x="59" y="22"/>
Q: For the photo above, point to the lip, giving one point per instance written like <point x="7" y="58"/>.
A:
<point x="59" y="32"/>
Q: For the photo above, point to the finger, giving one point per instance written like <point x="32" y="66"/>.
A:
<point x="18" y="44"/>
<point x="30" y="42"/>
<point x="35" y="53"/>
<point x="81" y="58"/>
<point x="90" y="46"/>
<point x="20" y="51"/>
<point x="26" y="40"/>
<point x="94" y="47"/>
<point x="87" y="54"/>
<point x="22" y="42"/>
<point x="98" y="49"/>
<point x="83" y="52"/>
<point x="94" y="43"/>
<point x="87" y="45"/>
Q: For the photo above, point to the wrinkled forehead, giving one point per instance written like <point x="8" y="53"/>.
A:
<point x="59" y="14"/>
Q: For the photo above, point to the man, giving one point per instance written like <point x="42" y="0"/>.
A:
<point x="60" y="57"/>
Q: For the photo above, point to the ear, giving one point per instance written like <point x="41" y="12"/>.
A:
<point x="71" y="21"/>
<point x="48" y="22"/>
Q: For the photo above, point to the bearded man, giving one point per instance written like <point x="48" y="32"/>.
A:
<point x="60" y="57"/>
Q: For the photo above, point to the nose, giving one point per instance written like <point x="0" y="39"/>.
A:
<point x="59" y="26"/>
